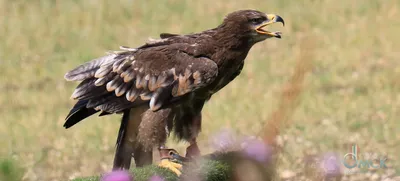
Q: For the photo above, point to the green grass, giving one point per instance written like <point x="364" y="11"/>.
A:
<point x="9" y="170"/>
<point x="218" y="167"/>
<point x="350" y="97"/>
<point x="217" y="171"/>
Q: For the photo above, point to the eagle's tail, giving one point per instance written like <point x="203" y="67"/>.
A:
<point x="78" y="113"/>
<point x="127" y="144"/>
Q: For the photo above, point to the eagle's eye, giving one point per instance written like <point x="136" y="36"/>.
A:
<point x="256" y="21"/>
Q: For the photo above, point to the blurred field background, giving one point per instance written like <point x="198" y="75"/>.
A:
<point x="351" y="95"/>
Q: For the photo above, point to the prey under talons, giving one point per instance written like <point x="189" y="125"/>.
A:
<point x="169" y="164"/>
<point x="171" y="159"/>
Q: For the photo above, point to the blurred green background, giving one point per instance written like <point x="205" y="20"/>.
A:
<point x="351" y="96"/>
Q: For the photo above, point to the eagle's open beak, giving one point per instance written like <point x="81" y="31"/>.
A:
<point x="272" y="18"/>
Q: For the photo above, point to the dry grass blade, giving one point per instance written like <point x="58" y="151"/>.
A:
<point x="290" y="96"/>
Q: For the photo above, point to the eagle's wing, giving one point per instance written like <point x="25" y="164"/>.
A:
<point x="154" y="75"/>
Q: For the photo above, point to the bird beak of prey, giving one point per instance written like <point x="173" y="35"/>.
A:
<point x="272" y="18"/>
<point x="179" y="158"/>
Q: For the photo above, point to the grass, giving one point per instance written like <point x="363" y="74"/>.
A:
<point x="351" y="95"/>
<point x="9" y="170"/>
<point x="220" y="166"/>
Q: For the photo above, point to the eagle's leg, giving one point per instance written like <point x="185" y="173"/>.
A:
<point x="171" y="159"/>
<point x="153" y="132"/>
<point x="192" y="151"/>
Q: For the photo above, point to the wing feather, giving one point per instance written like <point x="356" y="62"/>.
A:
<point x="153" y="75"/>
<point x="88" y="69"/>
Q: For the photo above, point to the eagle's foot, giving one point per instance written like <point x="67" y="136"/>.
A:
<point x="169" y="164"/>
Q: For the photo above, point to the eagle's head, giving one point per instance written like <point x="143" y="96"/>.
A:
<point x="251" y="24"/>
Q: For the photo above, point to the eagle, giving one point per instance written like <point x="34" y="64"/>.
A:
<point x="161" y="86"/>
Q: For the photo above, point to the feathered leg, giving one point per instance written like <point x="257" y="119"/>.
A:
<point x="188" y="126"/>
<point x="153" y="132"/>
<point x="127" y="143"/>
<point x="193" y="150"/>
<point x="142" y="157"/>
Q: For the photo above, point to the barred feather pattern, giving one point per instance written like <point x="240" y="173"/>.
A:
<point x="88" y="69"/>
<point x="120" y="80"/>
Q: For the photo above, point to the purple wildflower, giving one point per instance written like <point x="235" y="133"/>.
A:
<point x="257" y="150"/>
<point x="156" y="178"/>
<point x="223" y="140"/>
<point x="117" y="176"/>
<point x="330" y="165"/>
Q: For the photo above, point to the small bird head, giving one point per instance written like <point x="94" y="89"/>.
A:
<point x="172" y="155"/>
<point x="252" y="24"/>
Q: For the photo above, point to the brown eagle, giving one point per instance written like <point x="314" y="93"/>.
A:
<point x="162" y="85"/>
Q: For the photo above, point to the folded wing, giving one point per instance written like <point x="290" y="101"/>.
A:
<point x="123" y="80"/>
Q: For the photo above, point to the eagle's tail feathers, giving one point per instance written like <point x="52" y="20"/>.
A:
<point x="123" y="153"/>
<point x="78" y="113"/>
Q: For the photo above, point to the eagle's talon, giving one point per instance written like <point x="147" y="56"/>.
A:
<point x="174" y="167"/>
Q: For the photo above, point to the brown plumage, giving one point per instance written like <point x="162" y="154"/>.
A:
<point x="163" y="85"/>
